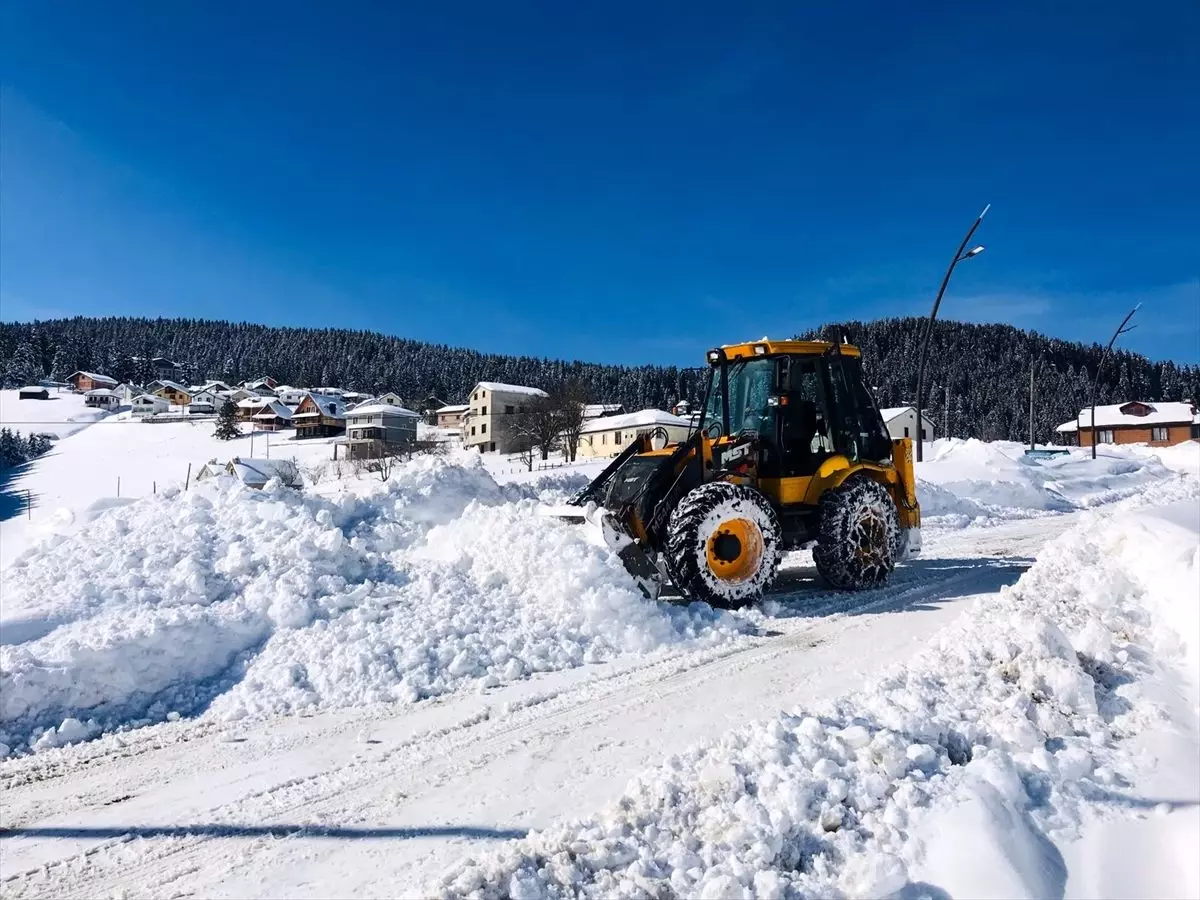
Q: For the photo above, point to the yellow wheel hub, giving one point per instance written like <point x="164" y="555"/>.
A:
<point x="735" y="550"/>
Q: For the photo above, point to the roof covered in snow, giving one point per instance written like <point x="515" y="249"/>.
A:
<point x="387" y="409"/>
<point x="98" y="392"/>
<point x="175" y="386"/>
<point x="641" y="418"/>
<point x="257" y="471"/>
<point x="454" y="408"/>
<point x="593" y="410"/>
<point x="36" y="388"/>
<point x="499" y="387"/>
<point x="1134" y="414"/>
<point x="274" y="408"/>
<point x="893" y="412"/>
<point x="94" y="377"/>
<point x="333" y="407"/>
<point x="253" y="402"/>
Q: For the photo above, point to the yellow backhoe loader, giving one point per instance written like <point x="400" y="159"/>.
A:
<point x="789" y="451"/>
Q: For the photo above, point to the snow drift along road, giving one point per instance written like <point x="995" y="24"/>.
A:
<point x="242" y="603"/>
<point x="1013" y="727"/>
<point x="236" y="603"/>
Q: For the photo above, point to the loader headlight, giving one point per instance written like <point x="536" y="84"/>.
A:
<point x="714" y="356"/>
<point x="760" y="349"/>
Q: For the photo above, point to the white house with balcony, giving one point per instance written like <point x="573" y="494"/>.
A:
<point x="492" y="414"/>
<point x="373" y="428"/>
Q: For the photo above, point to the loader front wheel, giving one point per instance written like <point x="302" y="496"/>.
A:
<point x="858" y="538"/>
<point x="723" y="544"/>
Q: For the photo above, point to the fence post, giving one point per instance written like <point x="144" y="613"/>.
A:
<point x="118" y="485"/>
<point x="154" y="487"/>
<point x="188" y="480"/>
<point x="29" y="504"/>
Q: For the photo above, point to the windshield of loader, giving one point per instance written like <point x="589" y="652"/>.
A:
<point x="749" y="383"/>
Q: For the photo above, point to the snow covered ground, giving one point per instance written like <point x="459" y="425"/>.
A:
<point x="371" y="688"/>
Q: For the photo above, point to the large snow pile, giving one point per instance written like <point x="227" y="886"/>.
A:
<point x="966" y="481"/>
<point x="242" y="602"/>
<point x="955" y="774"/>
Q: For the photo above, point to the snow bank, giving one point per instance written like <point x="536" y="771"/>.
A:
<point x="968" y="481"/>
<point x="241" y="603"/>
<point x="959" y="772"/>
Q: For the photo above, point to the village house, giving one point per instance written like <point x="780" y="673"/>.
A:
<point x="217" y="387"/>
<point x="319" y="415"/>
<point x="275" y="416"/>
<point x="489" y="423"/>
<point x="33" y="392"/>
<point x="90" y="381"/>
<point x="148" y="405"/>
<point x="172" y="392"/>
<point x="262" y="384"/>
<point x="290" y="396"/>
<point x="249" y="407"/>
<point x="203" y="397"/>
<point x="165" y="369"/>
<point x="452" y="416"/>
<point x="102" y="398"/>
<point x="901" y="422"/>
<point x="371" y="429"/>
<point x="1159" y="424"/>
<point x="609" y="435"/>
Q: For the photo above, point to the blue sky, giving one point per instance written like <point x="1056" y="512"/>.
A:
<point x="615" y="182"/>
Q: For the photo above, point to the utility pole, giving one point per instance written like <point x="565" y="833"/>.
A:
<point x="1121" y="329"/>
<point x="959" y="256"/>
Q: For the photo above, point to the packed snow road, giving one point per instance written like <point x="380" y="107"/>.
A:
<point x="376" y="802"/>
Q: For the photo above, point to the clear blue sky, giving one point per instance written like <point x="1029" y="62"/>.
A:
<point x="627" y="182"/>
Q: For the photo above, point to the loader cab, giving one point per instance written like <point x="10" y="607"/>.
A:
<point x="798" y="402"/>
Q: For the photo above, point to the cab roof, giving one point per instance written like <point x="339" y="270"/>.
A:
<point x="782" y="348"/>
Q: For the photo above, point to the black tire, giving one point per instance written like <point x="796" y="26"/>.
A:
<point x="858" y="537"/>
<point x="723" y="544"/>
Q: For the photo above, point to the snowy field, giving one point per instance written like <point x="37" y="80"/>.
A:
<point x="424" y="687"/>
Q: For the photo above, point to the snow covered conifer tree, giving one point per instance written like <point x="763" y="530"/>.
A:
<point x="227" y="426"/>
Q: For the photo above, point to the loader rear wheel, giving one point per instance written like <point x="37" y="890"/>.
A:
<point x="723" y="544"/>
<point x="858" y="539"/>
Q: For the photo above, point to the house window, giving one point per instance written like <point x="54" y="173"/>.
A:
<point x="472" y="429"/>
<point x="924" y="435"/>
<point x="906" y="431"/>
<point x="604" y="438"/>
<point x="1105" y="436"/>
<point x="483" y="411"/>
<point x="1158" y="434"/>
<point x="617" y="437"/>
<point x="508" y="410"/>
<point x="483" y="428"/>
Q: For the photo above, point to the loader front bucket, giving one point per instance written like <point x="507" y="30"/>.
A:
<point x="603" y="529"/>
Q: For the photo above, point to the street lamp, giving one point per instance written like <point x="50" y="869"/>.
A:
<point x="959" y="256"/>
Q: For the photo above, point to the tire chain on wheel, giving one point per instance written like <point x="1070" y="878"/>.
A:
<point x="688" y="532"/>
<point x="842" y="509"/>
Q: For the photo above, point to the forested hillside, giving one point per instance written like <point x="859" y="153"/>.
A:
<point x="985" y="367"/>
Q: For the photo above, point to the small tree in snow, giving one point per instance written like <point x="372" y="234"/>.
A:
<point x="227" y="425"/>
